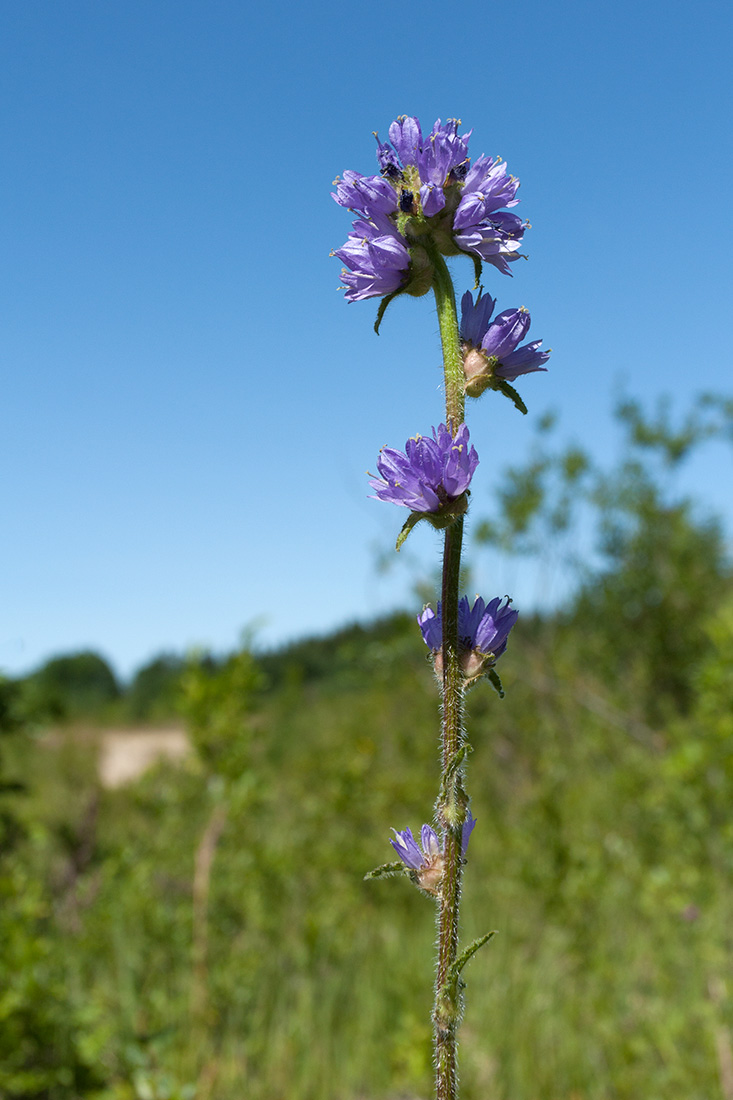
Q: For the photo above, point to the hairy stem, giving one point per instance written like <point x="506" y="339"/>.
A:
<point x="451" y="809"/>
<point x="451" y="813"/>
<point x="445" y="302"/>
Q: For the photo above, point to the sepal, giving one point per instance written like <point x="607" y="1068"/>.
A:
<point x="477" y="666"/>
<point x="445" y="517"/>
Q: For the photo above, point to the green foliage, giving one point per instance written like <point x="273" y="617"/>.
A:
<point x="42" y="1054"/>
<point x="209" y="934"/>
<point x="156" y="689"/>
<point x="662" y="582"/>
<point x="74" y="686"/>
<point x="218" y="704"/>
<point x="659" y="563"/>
<point x="699" y="765"/>
<point x="41" y="1027"/>
<point x="11" y="726"/>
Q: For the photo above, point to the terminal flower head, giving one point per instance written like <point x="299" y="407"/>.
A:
<point x="483" y="633"/>
<point x="426" y="859"/>
<point x="431" y="474"/>
<point x="426" y="184"/>
<point x="490" y="350"/>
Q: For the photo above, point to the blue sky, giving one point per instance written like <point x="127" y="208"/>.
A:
<point x="190" y="405"/>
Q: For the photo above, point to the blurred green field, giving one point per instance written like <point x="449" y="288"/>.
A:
<point x="205" y="931"/>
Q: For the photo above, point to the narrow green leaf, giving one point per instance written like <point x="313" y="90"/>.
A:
<point x="383" y="308"/>
<point x="454" y="764"/>
<point x="503" y="386"/>
<point x="386" y="870"/>
<point x="493" y="677"/>
<point x="413" y="519"/>
<point x="466" y="954"/>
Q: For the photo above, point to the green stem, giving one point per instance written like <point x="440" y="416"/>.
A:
<point x="451" y="809"/>
<point x="445" y="302"/>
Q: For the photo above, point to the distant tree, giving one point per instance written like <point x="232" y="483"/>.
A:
<point x="660" y="564"/>
<point x="77" y="685"/>
<point x="156" y="689"/>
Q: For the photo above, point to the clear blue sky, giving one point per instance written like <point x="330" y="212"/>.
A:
<point x="189" y="404"/>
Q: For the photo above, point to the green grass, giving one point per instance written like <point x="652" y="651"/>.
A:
<point x="609" y="978"/>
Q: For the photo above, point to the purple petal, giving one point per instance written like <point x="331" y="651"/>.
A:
<point x="493" y="630"/>
<point x="406" y="136"/>
<point x="432" y="199"/>
<point x="365" y="194"/>
<point x="475" y="318"/>
<point x="430" y="845"/>
<point x="431" y="471"/>
<point x="524" y="360"/>
<point x="431" y="627"/>
<point x="503" y="335"/>
<point x="406" y="848"/>
<point x="468" y="826"/>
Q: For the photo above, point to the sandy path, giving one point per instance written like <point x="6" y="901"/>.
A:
<point x="126" y="753"/>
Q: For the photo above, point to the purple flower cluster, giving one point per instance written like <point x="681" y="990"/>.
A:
<point x="484" y="627"/>
<point x="424" y="181"/>
<point x="492" y="348"/>
<point x="430" y="473"/>
<point x="427" y="857"/>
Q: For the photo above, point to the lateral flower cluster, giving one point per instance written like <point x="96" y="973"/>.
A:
<point x="430" y="474"/>
<point x="483" y="633"/>
<point x="430" y="477"/>
<point x="490" y="348"/>
<point x="427" y="195"/>
<point x="426" y="859"/>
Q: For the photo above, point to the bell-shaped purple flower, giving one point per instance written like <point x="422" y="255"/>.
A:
<point x="365" y="195"/>
<point x="426" y="859"/>
<point x="479" y="224"/>
<point x="412" y="855"/>
<point x="406" y="137"/>
<point x="483" y="633"/>
<point x="377" y="261"/>
<point x="490" y="349"/>
<point x="430" y="474"/>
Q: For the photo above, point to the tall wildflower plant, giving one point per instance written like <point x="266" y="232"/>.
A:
<point x="430" y="201"/>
